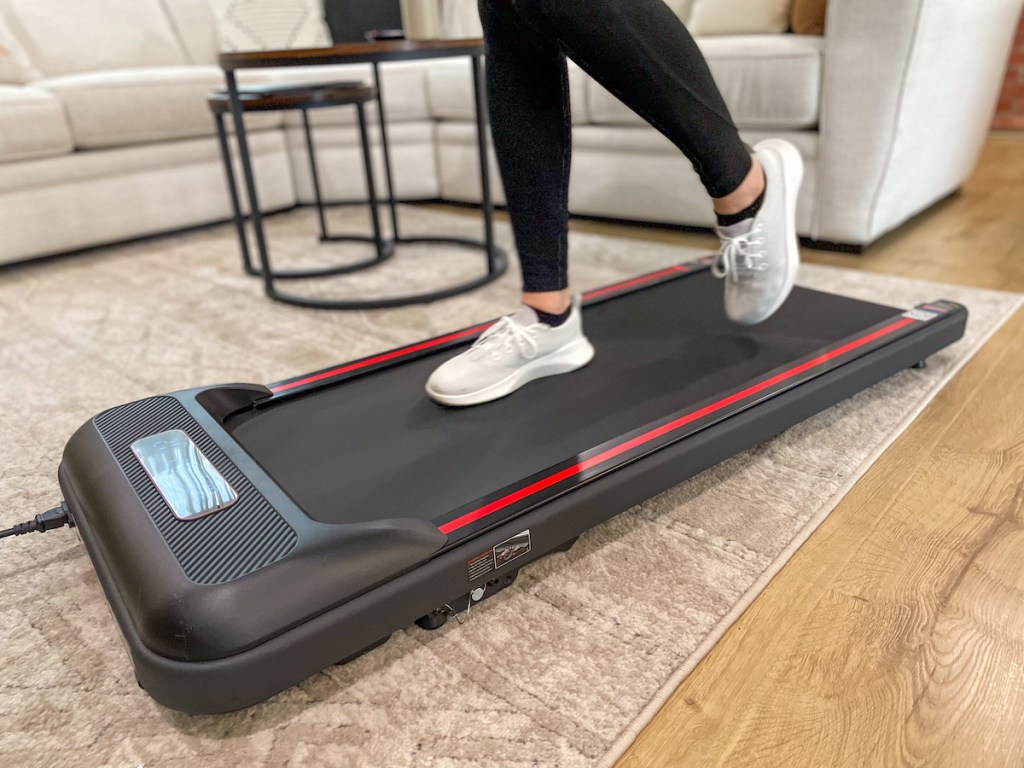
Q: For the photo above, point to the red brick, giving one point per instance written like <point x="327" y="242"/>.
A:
<point x="1013" y="90"/>
<point x="1010" y="112"/>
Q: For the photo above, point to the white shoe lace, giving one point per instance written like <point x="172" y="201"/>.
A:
<point x="740" y="255"/>
<point x="507" y="336"/>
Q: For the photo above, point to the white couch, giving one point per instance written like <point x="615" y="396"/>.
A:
<point x="107" y="137"/>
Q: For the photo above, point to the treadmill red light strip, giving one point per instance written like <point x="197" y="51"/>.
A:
<point x="625" y="447"/>
<point x="378" y="359"/>
<point x="638" y="281"/>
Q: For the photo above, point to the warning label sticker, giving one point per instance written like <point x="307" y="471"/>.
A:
<point x="481" y="565"/>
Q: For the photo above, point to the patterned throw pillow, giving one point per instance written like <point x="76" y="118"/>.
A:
<point x="264" y="25"/>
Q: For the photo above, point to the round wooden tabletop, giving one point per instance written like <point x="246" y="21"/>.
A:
<point x="353" y="53"/>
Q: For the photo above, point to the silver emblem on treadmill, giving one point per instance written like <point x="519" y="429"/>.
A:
<point x="922" y="315"/>
<point x="188" y="482"/>
<point x="512" y="548"/>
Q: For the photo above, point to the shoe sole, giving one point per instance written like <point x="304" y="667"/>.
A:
<point x="793" y="176"/>
<point x="571" y="357"/>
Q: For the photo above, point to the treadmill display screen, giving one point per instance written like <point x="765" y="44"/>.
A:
<point x="189" y="483"/>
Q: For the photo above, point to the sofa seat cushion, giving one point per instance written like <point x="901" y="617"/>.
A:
<point x="403" y="83"/>
<point x="768" y="81"/>
<point x="31" y="124"/>
<point x="738" y="17"/>
<point x="450" y="91"/>
<point x="135" y="106"/>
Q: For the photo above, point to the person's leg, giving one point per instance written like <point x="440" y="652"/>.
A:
<point x="643" y="54"/>
<point x="528" y="102"/>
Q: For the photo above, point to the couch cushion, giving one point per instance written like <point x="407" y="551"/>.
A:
<point x="133" y="106"/>
<point x="31" y="124"/>
<point x="196" y="27"/>
<point x="403" y="83"/>
<point x="450" y="91"/>
<point x="681" y="8"/>
<point x="64" y="37"/>
<point x="768" y="81"/>
<point x="15" y="66"/>
<point x="739" y="17"/>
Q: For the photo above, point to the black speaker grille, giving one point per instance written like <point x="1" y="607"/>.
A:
<point x="211" y="550"/>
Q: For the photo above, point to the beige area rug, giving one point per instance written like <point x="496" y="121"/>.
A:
<point x="560" y="670"/>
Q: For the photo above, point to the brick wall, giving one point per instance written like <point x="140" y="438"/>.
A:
<point x="1010" y="113"/>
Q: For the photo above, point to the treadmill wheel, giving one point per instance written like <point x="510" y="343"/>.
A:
<point x="433" y="620"/>
<point x="567" y="545"/>
<point x="365" y="650"/>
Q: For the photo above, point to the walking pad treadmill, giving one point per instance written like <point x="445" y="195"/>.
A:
<point x="247" y="537"/>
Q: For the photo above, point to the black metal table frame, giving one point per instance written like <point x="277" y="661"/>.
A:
<point x="497" y="259"/>
<point x="383" y="249"/>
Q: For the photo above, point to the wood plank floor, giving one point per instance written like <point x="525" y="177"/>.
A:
<point x="895" y="636"/>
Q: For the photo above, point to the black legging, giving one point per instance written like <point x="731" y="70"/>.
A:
<point x="641" y="52"/>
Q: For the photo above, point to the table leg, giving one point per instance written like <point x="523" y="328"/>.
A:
<point x="386" y="151"/>
<point x="236" y="205"/>
<point x="485" y="171"/>
<point x="314" y="175"/>
<point x="371" y="188"/>
<point x="250" y="181"/>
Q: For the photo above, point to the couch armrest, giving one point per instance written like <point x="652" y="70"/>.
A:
<point x="908" y="94"/>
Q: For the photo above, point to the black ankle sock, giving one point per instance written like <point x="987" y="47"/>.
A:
<point x="553" y="320"/>
<point x="728" y="219"/>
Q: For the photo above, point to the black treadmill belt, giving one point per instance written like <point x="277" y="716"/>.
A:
<point x="365" y="450"/>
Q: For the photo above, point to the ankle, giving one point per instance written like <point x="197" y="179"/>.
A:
<point x="752" y="187"/>
<point x="553" y="319"/>
<point x="551" y="302"/>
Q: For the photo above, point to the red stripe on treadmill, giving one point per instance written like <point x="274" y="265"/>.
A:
<point x="638" y="281"/>
<point x="379" y="359"/>
<point x="611" y="453"/>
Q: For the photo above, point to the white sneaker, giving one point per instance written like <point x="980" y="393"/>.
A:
<point x="761" y="256"/>
<point x="512" y="352"/>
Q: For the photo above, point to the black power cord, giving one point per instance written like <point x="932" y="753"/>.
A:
<point x="57" y="517"/>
